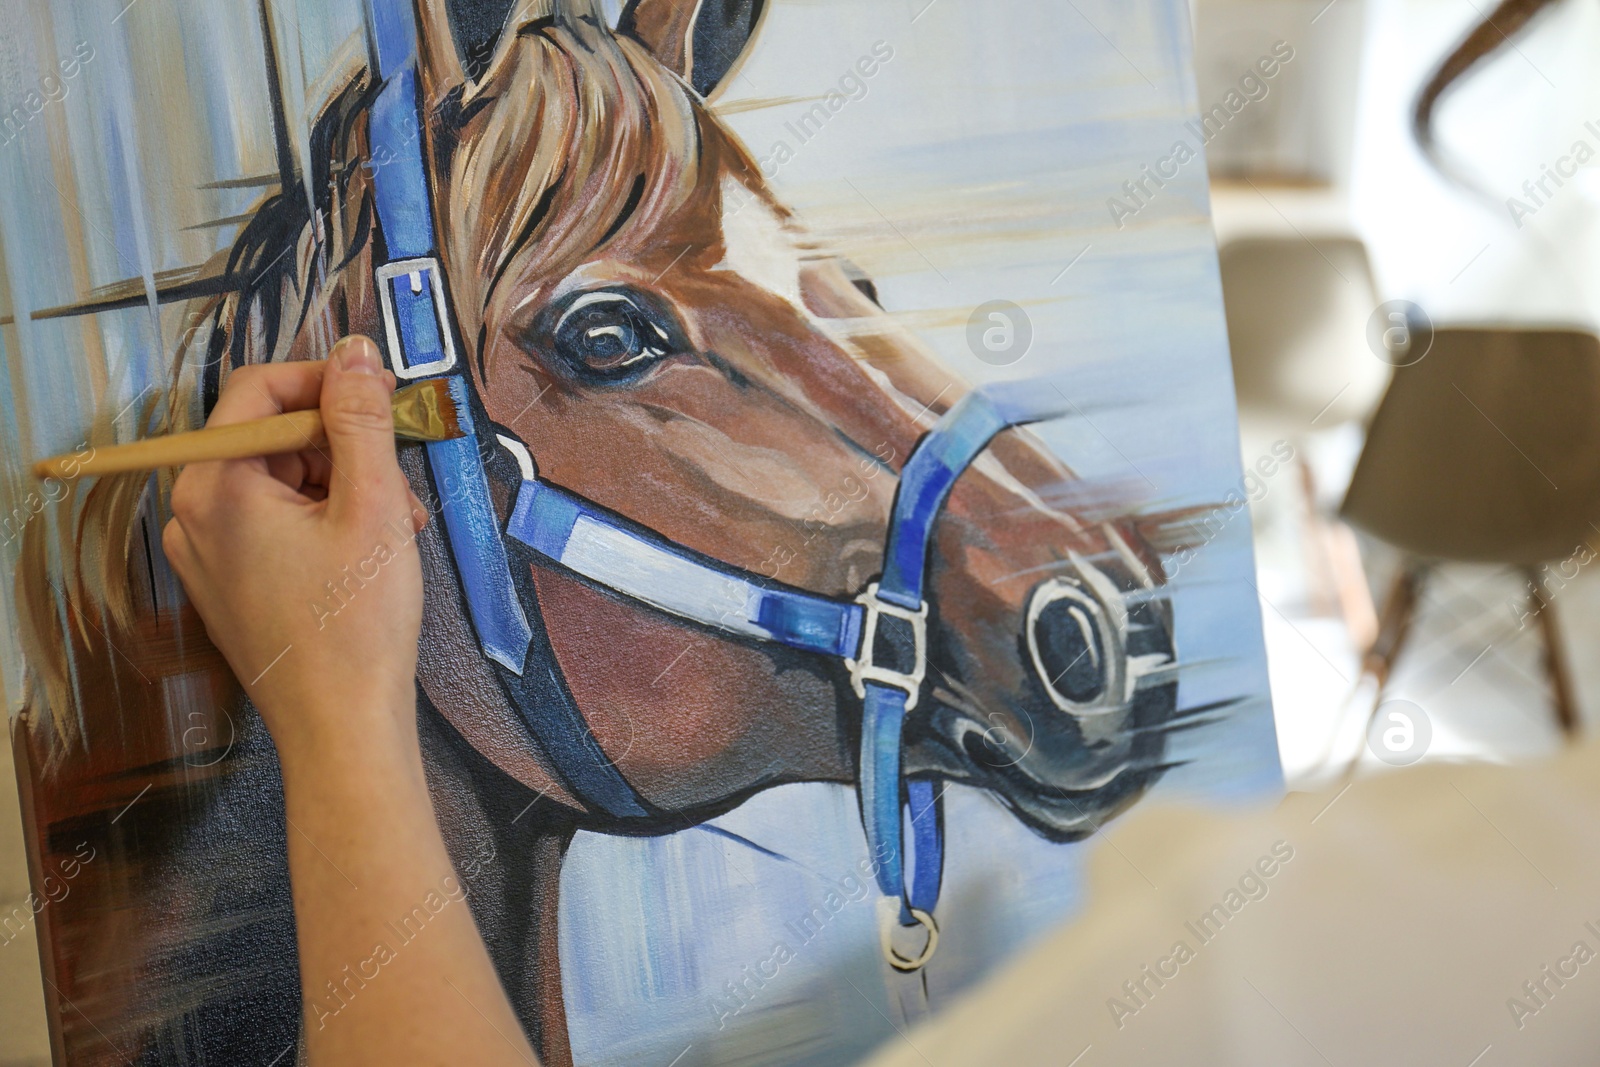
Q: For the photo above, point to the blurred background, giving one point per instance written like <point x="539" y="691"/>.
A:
<point x="1420" y="333"/>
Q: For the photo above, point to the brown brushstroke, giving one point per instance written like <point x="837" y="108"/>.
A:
<point x="664" y="29"/>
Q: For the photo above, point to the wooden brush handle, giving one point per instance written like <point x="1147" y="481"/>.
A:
<point x="423" y="411"/>
<point x="290" y="432"/>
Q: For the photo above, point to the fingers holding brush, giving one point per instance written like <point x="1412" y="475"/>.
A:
<point x="256" y="392"/>
<point x="304" y="564"/>
<point x="261" y="389"/>
<point x="359" y="419"/>
<point x="357" y="414"/>
<point x="270" y="411"/>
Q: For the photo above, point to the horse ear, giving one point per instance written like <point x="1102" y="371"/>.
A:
<point x="701" y="40"/>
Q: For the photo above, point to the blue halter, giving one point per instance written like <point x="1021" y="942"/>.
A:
<point x="880" y="636"/>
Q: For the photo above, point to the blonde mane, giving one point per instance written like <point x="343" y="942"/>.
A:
<point x="573" y="140"/>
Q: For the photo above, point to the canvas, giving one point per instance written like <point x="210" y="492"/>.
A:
<point x="851" y="529"/>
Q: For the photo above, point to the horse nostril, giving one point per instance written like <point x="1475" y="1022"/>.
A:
<point x="1067" y="638"/>
<point x="1069" y="652"/>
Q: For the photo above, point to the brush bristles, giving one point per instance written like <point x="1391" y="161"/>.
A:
<point x="426" y="412"/>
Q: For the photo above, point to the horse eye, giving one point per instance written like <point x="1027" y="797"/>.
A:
<point x="610" y="335"/>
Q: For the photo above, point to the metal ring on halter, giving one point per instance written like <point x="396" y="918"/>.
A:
<point x="897" y="959"/>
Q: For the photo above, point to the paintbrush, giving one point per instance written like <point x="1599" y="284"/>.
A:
<point x="422" y="412"/>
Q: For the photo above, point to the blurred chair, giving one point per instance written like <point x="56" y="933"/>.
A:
<point x="1297" y="324"/>
<point x="1298" y="310"/>
<point x="1485" y="450"/>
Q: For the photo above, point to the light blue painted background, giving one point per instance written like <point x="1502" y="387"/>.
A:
<point x="977" y="166"/>
<point x="991" y="141"/>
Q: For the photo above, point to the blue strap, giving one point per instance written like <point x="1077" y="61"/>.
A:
<point x="940" y="457"/>
<point x="925" y="807"/>
<point x="883" y="715"/>
<point x="392" y="29"/>
<point x="472" y="528"/>
<point x="925" y="483"/>
<point x="415" y="289"/>
<point x="936" y="463"/>
<point x="400" y="191"/>
<point x="641" y="564"/>
<point x="398" y="172"/>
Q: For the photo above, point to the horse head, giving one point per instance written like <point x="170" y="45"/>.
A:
<point x="644" y="327"/>
<point x="657" y="361"/>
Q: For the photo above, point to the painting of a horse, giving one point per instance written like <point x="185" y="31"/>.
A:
<point x="640" y="314"/>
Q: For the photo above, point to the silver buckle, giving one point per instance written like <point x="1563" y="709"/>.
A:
<point x="416" y="268"/>
<point x="863" y="670"/>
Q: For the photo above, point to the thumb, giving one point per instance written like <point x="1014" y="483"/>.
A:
<point x="356" y="413"/>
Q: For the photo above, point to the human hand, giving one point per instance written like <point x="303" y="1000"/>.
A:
<point x="304" y="566"/>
